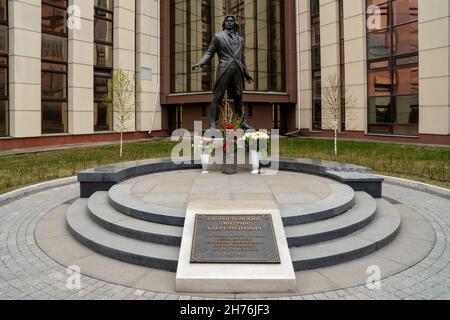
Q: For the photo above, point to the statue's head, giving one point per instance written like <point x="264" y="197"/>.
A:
<point x="230" y="20"/>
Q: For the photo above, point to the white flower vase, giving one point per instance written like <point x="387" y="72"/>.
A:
<point x="205" y="163"/>
<point x="254" y="159"/>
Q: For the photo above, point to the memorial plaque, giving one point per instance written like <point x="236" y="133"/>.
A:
<point x="234" y="239"/>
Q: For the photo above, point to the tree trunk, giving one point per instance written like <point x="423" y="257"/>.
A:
<point x="335" y="142"/>
<point x="121" y="144"/>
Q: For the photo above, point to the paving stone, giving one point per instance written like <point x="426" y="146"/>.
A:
<point x="26" y="272"/>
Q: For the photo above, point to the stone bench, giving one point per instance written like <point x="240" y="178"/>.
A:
<point x="103" y="178"/>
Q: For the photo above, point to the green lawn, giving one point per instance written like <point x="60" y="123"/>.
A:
<point x="426" y="164"/>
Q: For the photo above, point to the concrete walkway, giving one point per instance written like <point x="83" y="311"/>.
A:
<point x="26" y="272"/>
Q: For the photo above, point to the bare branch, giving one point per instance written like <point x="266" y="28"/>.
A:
<point x="123" y="99"/>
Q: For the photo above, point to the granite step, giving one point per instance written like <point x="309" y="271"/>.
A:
<point x="122" y="200"/>
<point x="380" y="232"/>
<point x="105" y="215"/>
<point x="340" y="200"/>
<point x="109" y="218"/>
<point x="116" y="246"/>
<point x="362" y="213"/>
<point x="376" y="235"/>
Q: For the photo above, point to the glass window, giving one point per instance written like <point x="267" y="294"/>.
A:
<point x="54" y="117"/>
<point x="194" y="23"/>
<point x="103" y="117"/>
<point x="3" y="39"/>
<point x="342" y="63"/>
<point x="103" y="56"/>
<point x="106" y="5"/>
<point x="380" y="110"/>
<point x="406" y="114"/>
<point x="407" y="81"/>
<point x="393" y="71"/>
<point x="54" y="48"/>
<point x="3" y="11"/>
<point x="379" y="65"/>
<point x="315" y="7"/>
<point x="3" y="81"/>
<point x="4" y="65"/>
<point x="103" y="62"/>
<point x="380" y="83"/>
<point x="54" y="19"/>
<point x="54" y="67"/>
<point x="379" y="44"/>
<point x="54" y="85"/>
<point x="405" y="39"/>
<point x="4" y="118"/>
<point x="405" y="11"/>
<point x="316" y="66"/>
<point x="103" y="30"/>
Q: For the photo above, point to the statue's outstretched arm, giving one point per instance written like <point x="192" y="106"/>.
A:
<point x="209" y="54"/>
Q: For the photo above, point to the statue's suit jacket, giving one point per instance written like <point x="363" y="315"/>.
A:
<point x="221" y="45"/>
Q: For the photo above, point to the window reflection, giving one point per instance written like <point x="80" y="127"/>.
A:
<point x="393" y="72"/>
<point x="4" y="60"/>
<point x="54" y="67"/>
<point x="193" y="23"/>
<point x="316" y="66"/>
<point x="103" y="62"/>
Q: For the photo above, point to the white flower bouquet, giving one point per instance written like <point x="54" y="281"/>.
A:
<point x="257" y="136"/>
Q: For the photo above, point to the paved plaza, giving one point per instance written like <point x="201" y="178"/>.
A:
<point x="34" y="243"/>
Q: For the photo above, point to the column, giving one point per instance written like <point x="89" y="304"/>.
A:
<point x="356" y="63"/>
<point x="25" y="68"/>
<point x="124" y="42"/>
<point x="330" y="53"/>
<point x="81" y="70"/>
<point x="434" y="67"/>
<point x="148" y="116"/>
<point x="304" y="110"/>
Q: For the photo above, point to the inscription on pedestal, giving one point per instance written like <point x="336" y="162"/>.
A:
<point x="234" y="239"/>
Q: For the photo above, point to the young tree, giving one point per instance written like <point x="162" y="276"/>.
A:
<point x="123" y="99"/>
<point x="334" y="99"/>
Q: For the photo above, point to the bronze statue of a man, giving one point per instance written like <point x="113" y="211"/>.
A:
<point x="231" y="71"/>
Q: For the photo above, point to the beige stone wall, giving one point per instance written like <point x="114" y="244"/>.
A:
<point x="81" y="71"/>
<point x="136" y="49"/>
<point x="330" y="57"/>
<point x="25" y="68"/>
<point x="434" y="66"/>
<point x="148" y="116"/>
<point x="355" y="59"/>
<point x="124" y="44"/>
<point x="356" y="63"/>
<point x="304" y="107"/>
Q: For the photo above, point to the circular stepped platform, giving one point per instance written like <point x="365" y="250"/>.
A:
<point x="122" y="200"/>
<point x="339" y="200"/>
<point x="363" y="228"/>
<point x="375" y="236"/>
<point x="109" y="218"/>
<point x="362" y="213"/>
<point x="116" y="246"/>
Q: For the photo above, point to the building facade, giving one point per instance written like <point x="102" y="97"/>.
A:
<point x="391" y="60"/>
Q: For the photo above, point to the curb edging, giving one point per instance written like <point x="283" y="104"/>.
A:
<point x="419" y="186"/>
<point x="37" y="187"/>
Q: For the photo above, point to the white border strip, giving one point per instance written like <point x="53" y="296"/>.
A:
<point x="37" y="187"/>
<point x="417" y="185"/>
